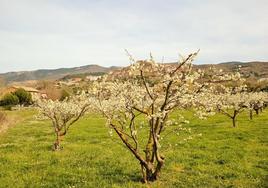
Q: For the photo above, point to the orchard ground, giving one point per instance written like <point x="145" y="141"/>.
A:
<point x="222" y="157"/>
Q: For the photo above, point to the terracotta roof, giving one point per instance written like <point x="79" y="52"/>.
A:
<point x="29" y="89"/>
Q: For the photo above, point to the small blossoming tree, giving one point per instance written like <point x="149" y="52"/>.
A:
<point x="152" y="91"/>
<point x="63" y="114"/>
<point x="231" y="105"/>
<point x="257" y="101"/>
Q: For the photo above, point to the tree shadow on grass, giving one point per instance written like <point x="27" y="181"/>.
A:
<point x="116" y="173"/>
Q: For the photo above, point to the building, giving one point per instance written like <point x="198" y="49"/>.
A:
<point x="34" y="92"/>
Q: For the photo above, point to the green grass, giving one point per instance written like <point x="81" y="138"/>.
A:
<point x="223" y="157"/>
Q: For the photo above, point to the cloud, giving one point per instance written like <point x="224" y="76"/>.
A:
<point x="51" y="34"/>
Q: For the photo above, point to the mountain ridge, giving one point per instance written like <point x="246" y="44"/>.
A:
<point x="52" y="74"/>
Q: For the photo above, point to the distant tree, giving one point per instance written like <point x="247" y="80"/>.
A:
<point x="231" y="105"/>
<point x="257" y="102"/>
<point x="25" y="98"/>
<point x="9" y="99"/>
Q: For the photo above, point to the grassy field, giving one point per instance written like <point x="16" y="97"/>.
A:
<point x="222" y="157"/>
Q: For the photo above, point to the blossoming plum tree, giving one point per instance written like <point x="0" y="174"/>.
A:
<point x="257" y="101"/>
<point x="232" y="105"/>
<point x="63" y="114"/>
<point x="152" y="91"/>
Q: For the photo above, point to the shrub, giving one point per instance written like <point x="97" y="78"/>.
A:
<point x="25" y="98"/>
<point x="9" y="99"/>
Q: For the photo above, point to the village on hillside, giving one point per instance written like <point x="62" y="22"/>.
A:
<point x="48" y="89"/>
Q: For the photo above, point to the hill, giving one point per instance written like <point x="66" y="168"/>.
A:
<point x="52" y="74"/>
<point x="254" y="69"/>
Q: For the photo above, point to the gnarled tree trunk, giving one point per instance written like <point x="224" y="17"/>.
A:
<point x="151" y="171"/>
<point x="59" y="135"/>
<point x="154" y="162"/>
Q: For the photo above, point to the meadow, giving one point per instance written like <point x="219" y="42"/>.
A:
<point x="223" y="156"/>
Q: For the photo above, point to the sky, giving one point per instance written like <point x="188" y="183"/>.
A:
<point x="38" y="34"/>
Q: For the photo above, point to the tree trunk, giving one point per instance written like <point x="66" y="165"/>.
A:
<point x="158" y="169"/>
<point x="56" y="145"/>
<point x="149" y="149"/>
<point x="152" y="163"/>
<point x="250" y="114"/>
<point x="234" y="122"/>
<point x="144" y="175"/>
<point x="150" y="173"/>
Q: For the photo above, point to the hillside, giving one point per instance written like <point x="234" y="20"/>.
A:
<point x="52" y="74"/>
<point x="248" y="69"/>
<point x="254" y="70"/>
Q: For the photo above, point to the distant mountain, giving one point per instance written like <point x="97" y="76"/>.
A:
<point x="248" y="69"/>
<point x="53" y="74"/>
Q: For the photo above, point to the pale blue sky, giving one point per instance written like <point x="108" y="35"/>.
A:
<point x="38" y="34"/>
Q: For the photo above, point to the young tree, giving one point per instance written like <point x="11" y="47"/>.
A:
<point x="63" y="114"/>
<point x="232" y="105"/>
<point x="153" y="91"/>
<point x="257" y="102"/>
